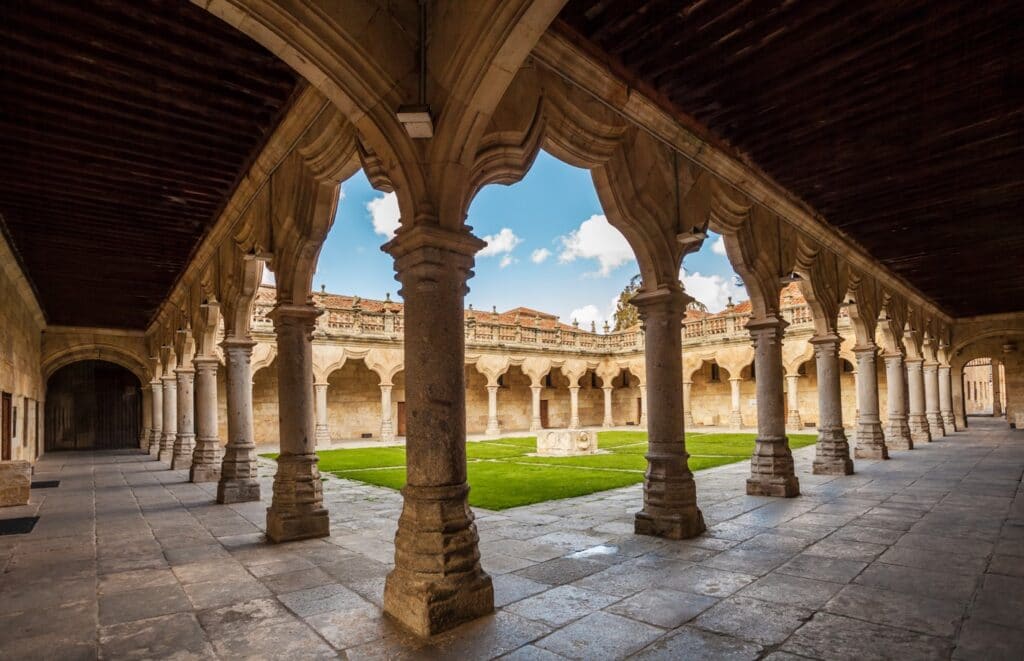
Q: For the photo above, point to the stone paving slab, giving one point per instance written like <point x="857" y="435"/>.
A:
<point x="921" y="557"/>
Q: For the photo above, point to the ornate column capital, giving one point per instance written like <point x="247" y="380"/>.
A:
<point x="430" y="254"/>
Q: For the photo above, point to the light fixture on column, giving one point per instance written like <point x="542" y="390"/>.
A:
<point x="416" y="117"/>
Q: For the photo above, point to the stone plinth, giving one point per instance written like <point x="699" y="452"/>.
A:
<point x="15" y="483"/>
<point x="566" y="442"/>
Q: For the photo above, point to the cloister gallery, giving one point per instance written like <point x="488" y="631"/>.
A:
<point x="862" y="163"/>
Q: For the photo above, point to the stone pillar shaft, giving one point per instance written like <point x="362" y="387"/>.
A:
<point x="919" y="431"/>
<point x="771" y="467"/>
<point x="670" y="494"/>
<point x="643" y="405"/>
<point x="687" y="405"/>
<point x="170" y="418"/>
<point x="574" y="407"/>
<point x="736" y="411"/>
<point x="897" y="432"/>
<point x="157" y="417"/>
<point x="608" y="420"/>
<point x="870" y="437"/>
<point x="437" y="581"/>
<point x="793" y="420"/>
<point x="185" y="439"/>
<point x="323" y="434"/>
<point x="832" y="452"/>
<point x="147" y="417"/>
<point x="946" y="398"/>
<point x="387" y="425"/>
<point x="207" y="455"/>
<point x="932" y="413"/>
<point x="297" y="508"/>
<point x="238" y="468"/>
<point x="997" y="390"/>
<point x="535" y="421"/>
<point x="493" y="428"/>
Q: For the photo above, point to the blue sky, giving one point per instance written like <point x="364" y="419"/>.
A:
<point x="550" y="248"/>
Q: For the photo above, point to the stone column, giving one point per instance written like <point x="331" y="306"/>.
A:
<point x="771" y="467"/>
<point x="793" y="421"/>
<point x="207" y="456"/>
<point x="170" y="418"/>
<point x="919" y="432"/>
<point x="897" y="431"/>
<point x="997" y="397"/>
<point x="493" y="428"/>
<point x="574" y="407"/>
<point x="670" y="495"/>
<point x="437" y="581"/>
<point x="157" y="416"/>
<point x="931" y="400"/>
<point x="322" y="432"/>
<point x="387" y="425"/>
<point x="147" y="417"/>
<point x="870" y="437"/>
<point x="687" y="405"/>
<point x="297" y="508"/>
<point x="609" y="420"/>
<point x="238" y="469"/>
<point x="832" y="452"/>
<point x="643" y="405"/>
<point x="736" y="413"/>
<point x="185" y="439"/>
<point x="946" y="398"/>
<point x="535" y="421"/>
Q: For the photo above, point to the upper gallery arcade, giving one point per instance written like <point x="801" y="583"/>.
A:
<point x="160" y="155"/>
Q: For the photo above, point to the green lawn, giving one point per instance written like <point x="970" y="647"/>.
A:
<point x="502" y="475"/>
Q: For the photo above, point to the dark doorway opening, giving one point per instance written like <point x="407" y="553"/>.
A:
<point x="92" y="405"/>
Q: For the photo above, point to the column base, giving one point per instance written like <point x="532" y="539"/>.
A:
<point x="166" y="449"/>
<point x="204" y="473"/>
<point x="387" y="432"/>
<point x="919" y="432"/>
<point x="184" y="446"/>
<point x="771" y="470"/>
<point x="683" y="525"/>
<point x="948" y="421"/>
<point x="935" y="426"/>
<point x="437" y="582"/>
<point x="870" y="441"/>
<point x="297" y="510"/>
<point x="323" y="436"/>
<point x="793" y="421"/>
<point x="154" y="446"/>
<point x="688" y="420"/>
<point x="535" y="425"/>
<point x="832" y="453"/>
<point x="494" y="430"/>
<point x="285" y="526"/>
<point x="736" y="420"/>
<point x="243" y="490"/>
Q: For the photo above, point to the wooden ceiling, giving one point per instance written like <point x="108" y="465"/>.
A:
<point x="902" y="123"/>
<point x="124" y="127"/>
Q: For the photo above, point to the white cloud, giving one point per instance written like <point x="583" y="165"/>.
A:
<point x="540" y="255"/>
<point x="596" y="239"/>
<point x="587" y="314"/>
<point x="507" y="260"/>
<point x="501" y="243"/>
<point x="384" y="214"/>
<point x="718" y="247"/>
<point x="711" y="290"/>
<point x="268" y="277"/>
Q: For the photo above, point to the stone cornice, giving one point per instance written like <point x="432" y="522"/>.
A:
<point x="558" y="54"/>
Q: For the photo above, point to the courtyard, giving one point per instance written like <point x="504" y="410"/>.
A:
<point x="506" y="472"/>
<point x="919" y="557"/>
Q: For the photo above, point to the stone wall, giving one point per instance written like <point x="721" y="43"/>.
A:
<point x="266" y="425"/>
<point x="21" y="325"/>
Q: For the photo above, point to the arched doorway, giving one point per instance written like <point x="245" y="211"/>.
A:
<point x="92" y="405"/>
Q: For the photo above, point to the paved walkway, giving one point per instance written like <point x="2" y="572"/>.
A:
<point x="914" y="558"/>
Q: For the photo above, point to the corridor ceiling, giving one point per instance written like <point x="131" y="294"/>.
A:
<point x="901" y="123"/>
<point x="124" y="127"/>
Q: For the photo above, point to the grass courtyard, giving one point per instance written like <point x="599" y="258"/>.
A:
<point x="503" y="475"/>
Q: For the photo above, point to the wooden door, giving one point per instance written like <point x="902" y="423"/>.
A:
<point x="6" y="421"/>
<point x="401" y="419"/>
<point x="543" y="414"/>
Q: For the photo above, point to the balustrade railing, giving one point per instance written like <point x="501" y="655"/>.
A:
<point x="388" y="324"/>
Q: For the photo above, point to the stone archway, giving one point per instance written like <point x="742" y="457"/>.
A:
<point x="353" y="401"/>
<point x="92" y="405"/>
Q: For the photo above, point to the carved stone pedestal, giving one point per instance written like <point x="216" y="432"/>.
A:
<point x="565" y="442"/>
<point x="297" y="511"/>
<point x="15" y="483"/>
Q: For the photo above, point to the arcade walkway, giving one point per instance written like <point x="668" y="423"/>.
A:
<point x="918" y="557"/>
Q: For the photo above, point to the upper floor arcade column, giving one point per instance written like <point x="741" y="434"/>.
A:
<point x="297" y="508"/>
<point x="437" y="580"/>
<point x="670" y="494"/>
